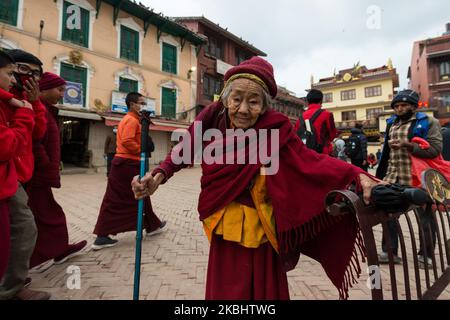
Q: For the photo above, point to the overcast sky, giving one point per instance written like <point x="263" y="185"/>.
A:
<point x="304" y="38"/>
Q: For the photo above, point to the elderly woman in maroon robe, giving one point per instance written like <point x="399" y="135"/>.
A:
<point x="258" y="222"/>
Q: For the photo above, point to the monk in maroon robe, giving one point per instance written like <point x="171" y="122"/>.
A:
<point x="259" y="215"/>
<point x="53" y="236"/>
<point x="118" y="212"/>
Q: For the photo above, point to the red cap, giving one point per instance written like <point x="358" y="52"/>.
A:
<point x="258" y="67"/>
<point x="50" y="80"/>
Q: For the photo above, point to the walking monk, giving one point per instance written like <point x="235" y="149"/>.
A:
<point x="118" y="212"/>
<point x="53" y="237"/>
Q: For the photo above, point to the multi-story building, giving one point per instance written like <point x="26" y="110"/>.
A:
<point x="429" y="74"/>
<point x="223" y="51"/>
<point x="359" y="95"/>
<point x="106" y="48"/>
<point x="287" y="103"/>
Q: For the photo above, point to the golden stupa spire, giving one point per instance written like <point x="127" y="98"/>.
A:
<point x="389" y="64"/>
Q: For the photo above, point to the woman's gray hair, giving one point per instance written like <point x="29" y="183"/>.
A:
<point x="267" y="99"/>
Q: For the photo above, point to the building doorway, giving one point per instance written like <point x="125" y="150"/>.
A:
<point x="74" y="142"/>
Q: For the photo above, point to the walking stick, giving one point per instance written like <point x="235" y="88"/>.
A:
<point x="145" y="123"/>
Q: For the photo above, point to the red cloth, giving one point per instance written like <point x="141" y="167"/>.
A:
<point x="25" y="162"/>
<point x="53" y="237"/>
<point x="14" y="133"/>
<point x="5" y="96"/>
<point x="47" y="153"/>
<point x="302" y="223"/>
<point x="419" y="165"/>
<point x="4" y="236"/>
<point x="324" y="126"/>
<point x="239" y="273"/>
<point x="259" y="67"/>
<point x="118" y="212"/>
<point x="50" y="80"/>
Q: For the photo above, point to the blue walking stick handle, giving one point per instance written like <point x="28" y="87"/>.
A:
<point x="145" y="123"/>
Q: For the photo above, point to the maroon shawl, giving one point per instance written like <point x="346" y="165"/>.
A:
<point x="297" y="192"/>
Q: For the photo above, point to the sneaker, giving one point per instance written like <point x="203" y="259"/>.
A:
<point x="72" y="251"/>
<point x="27" y="282"/>
<point x="162" y="228"/>
<point x="383" y="258"/>
<point x="422" y="262"/>
<point x="103" y="242"/>
<point x="27" y="294"/>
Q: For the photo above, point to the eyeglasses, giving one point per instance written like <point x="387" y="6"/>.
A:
<point x="235" y="104"/>
<point x="24" y="69"/>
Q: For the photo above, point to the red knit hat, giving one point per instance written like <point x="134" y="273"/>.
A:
<point x="259" y="67"/>
<point x="50" y="80"/>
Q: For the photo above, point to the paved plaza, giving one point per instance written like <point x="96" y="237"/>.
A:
<point x="173" y="263"/>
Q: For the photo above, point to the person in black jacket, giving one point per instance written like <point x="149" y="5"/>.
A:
<point x="356" y="147"/>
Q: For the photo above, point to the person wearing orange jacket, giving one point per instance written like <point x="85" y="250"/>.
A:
<point x="118" y="212"/>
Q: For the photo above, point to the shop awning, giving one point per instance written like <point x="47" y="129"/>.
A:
<point x="156" y="126"/>
<point x="79" y="114"/>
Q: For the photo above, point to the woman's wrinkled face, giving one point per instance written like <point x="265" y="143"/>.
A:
<point x="245" y="103"/>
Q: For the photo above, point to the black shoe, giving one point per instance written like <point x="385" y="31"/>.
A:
<point x="103" y="242"/>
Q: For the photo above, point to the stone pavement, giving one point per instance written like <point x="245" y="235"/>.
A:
<point x="173" y="262"/>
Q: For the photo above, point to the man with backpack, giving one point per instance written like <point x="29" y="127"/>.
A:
<point x="316" y="126"/>
<point x="356" y="147"/>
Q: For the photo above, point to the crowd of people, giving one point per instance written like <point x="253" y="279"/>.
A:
<point x="257" y="224"/>
<point x="33" y="226"/>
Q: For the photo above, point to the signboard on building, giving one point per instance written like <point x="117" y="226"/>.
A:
<point x="223" y="67"/>
<point x="73" y="95"/>
<point x="118" y="104"/>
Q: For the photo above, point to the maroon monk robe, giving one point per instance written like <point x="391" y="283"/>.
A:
<point x="231" y="265"/>
<point x="118" y="212"/>
<point x="53" y="237"/>
<point x="4" y="237"/>
<point x="302" y="223"/>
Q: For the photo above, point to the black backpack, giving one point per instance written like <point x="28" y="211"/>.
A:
<point x="353" y="147"/>
<point x="308" y="134"/>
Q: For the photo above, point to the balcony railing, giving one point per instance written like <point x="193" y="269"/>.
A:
<point x="367" y="124"/>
